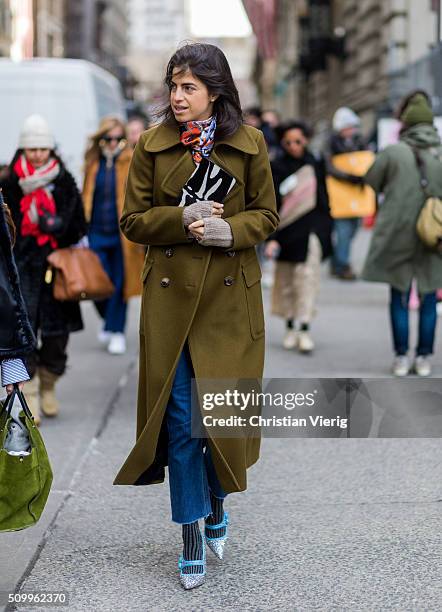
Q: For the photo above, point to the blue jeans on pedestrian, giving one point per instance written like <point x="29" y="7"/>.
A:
<point x="345" y="229"/>
<point x="191" y="471"/>
<point x="113" y="310"/>
<point x="400" y="326"/>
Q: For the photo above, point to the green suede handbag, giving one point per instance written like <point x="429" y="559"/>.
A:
<point x="25" y="481"/>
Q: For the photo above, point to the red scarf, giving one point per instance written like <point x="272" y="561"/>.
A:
<point x="39" y="200"/>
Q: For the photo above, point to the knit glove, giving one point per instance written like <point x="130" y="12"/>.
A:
<point x="217" y="232"/>
<point x="197" y="211"/>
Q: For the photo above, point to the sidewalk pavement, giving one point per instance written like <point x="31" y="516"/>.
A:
<point x="325" y="524"/>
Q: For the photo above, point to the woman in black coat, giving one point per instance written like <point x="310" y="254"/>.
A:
<point x="303" y="237"/>
<point x="47" y="211"/>
<point x="16" y="336"/>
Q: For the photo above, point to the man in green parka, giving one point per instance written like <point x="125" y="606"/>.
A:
<point x="397" y="255"/>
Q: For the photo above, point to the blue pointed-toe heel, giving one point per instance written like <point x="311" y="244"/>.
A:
<point x="216" y="545"/>
<point x="191" y="581"/>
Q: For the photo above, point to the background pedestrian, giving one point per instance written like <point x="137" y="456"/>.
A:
<point x="47" y="211"/>
<point x="136" y="125"/>
<point x="396" y="253"/>
<point x="16" y="336"/>
<point x="107" y="164"/>
<point x="303" y="238"/>
<point x="346" y="138"/>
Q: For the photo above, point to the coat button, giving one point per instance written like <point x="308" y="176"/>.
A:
<point x="169" y="252"/>
<point x="230" y="253"/>
<point x="165" y="282"/>
<point x="228" y="281"/>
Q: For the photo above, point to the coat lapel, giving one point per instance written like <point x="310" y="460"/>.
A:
<point x="220" y="159"/>
<point x="121" y="169"/>
<point x="179" y="173"/>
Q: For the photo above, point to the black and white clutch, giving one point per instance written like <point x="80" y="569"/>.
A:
<point x="208" y="182"/>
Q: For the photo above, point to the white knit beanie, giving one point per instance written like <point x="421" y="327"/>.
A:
<point x="343" y="118"/>
<point x="35" y="134"/>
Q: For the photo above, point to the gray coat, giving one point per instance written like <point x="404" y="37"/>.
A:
<point x="396" y="254"/>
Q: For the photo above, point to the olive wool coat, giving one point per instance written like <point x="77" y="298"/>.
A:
<point x="209" y="296"/>
<point x="396" y="253"/>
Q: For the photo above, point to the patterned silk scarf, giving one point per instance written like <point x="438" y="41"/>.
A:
<point x="200" y="135"/>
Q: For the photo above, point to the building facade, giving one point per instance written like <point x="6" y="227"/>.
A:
<point x="5" y="28"/>
<point x="48" y="22"/>
<point x="96" y="30"/>
<point x="156" y="27"/>
<point x="380" y="37"/>
<point x="331" y="53"/>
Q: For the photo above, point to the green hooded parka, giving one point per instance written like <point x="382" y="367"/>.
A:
<point x="396" y="253"/>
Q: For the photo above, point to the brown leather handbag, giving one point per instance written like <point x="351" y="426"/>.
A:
<point x="79" y="275"/>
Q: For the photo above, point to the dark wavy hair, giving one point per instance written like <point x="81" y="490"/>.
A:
<point x="208" y="64"/>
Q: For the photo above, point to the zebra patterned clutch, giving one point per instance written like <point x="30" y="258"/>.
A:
<point x="208" y="182"/>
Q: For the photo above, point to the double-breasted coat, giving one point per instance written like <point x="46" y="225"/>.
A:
<point x="209" y="296"/>
<point x="133" y="255"/>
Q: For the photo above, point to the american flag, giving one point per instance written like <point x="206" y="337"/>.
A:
<point x="262" y="16"/>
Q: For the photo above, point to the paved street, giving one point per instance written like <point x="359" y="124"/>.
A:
<point x="327" y="524"/>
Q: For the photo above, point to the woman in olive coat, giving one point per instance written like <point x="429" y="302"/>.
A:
<point x="397" y="255"/>
<point x="201" y="313"/>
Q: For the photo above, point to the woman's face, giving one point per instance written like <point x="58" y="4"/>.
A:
<point x="189" y="97"/>
<point x="37" y="157"/>
<point x="294" y="142"/>
<point x="112" y="138"/>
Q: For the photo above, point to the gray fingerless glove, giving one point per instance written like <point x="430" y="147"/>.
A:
<point x="217" y="232"/>
<point x="194" y="212"/>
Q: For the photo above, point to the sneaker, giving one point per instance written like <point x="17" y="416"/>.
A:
<point x="401" y="365"/>
<point x="117" y="344"/>
<point x="422" y="365"/>
<point x="305" y="342"/>
<point x="290" y="339"/>
<point x="104" y="337"/>
<point x="346" y="274"/>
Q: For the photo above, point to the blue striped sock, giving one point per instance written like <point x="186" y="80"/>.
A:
<point x="193" y="547"/>
<point x="215" y="518"/>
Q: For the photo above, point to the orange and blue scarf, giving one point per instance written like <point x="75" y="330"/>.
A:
<point x="200" y="136"/>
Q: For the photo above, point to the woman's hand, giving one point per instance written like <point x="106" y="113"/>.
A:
<point x="201" y="210"/>
<point x="197" y="229"/>
<point x="271" y="249"/>
<point x="217" y="209"/>
<point x="10" y="388"/>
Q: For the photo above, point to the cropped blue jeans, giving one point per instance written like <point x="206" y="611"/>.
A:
<point x="192" y="475"/>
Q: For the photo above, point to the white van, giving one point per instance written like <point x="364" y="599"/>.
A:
<point x="73" y="95"/>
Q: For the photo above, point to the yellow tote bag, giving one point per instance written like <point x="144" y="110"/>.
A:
<point x="347" y="200"/>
